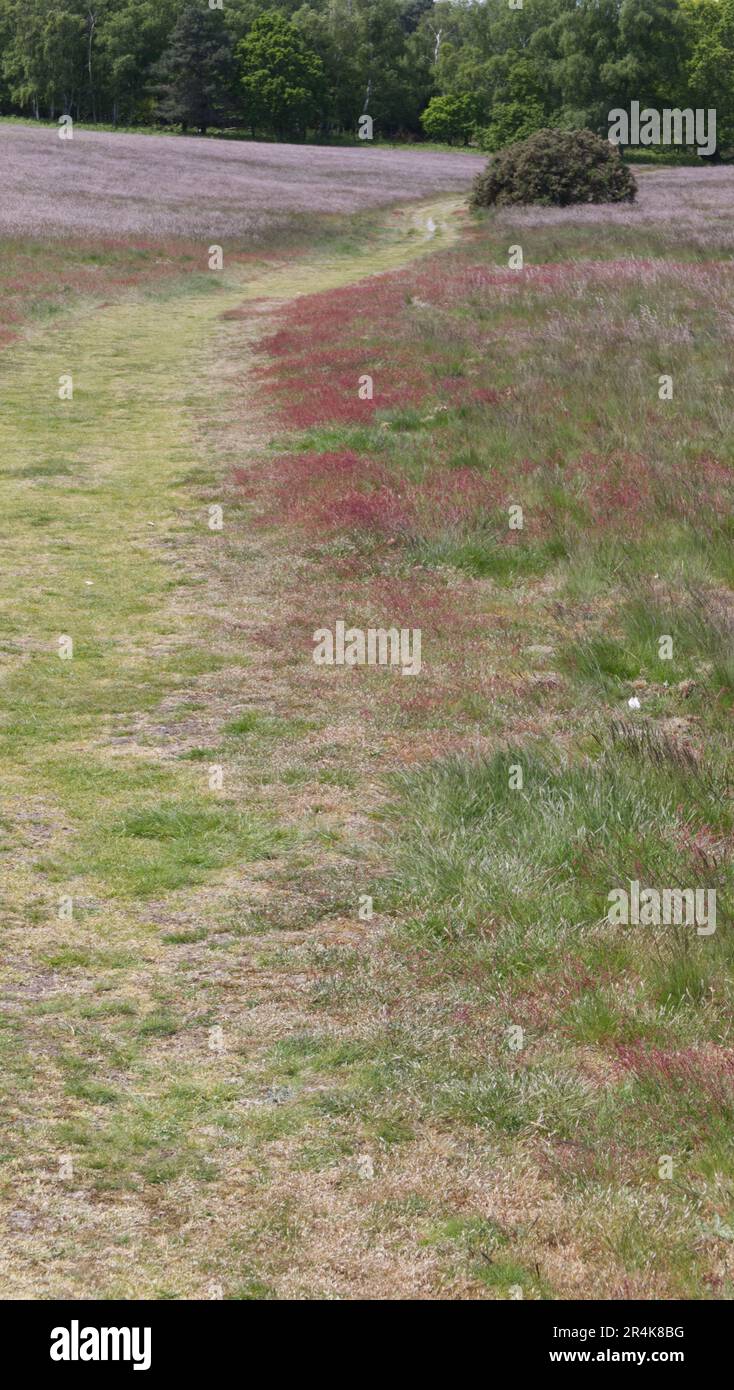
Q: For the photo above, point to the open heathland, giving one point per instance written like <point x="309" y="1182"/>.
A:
<point x="312" y="986"/>
<point x="146" y="185"/>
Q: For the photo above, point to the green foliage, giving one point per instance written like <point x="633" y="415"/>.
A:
<point x="519" y="103"/>
<point x="282" y="79"/>
<point x="197" y="70"/>
<point x="417" y="68"/>
<point x="449" y="118"/>
<point x="556" y="167"/>
<point x="514" y="121"/>
<point x="132" y="40"/>
<point x="710" y="69"/>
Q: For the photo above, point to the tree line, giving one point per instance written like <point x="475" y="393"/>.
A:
<point x="449" y="70"/>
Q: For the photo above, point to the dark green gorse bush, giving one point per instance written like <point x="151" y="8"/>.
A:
<point x="555" y="167"/>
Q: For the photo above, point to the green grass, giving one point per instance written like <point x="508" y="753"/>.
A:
<point x="542" y="859"/>
<point x="132" y="883"/>
<point x="172" y="845"/>
<point x="266" y="726"/>
<point x="485" y="556"/>
<point x="500" y="1166"/>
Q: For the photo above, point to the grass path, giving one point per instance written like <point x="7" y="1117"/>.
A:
<point x="218" y="1080"/>
<point x="140" y="1155"/>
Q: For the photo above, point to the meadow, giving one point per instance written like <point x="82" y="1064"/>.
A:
<point x="312" y="987"/>
<point x="152" y="185"/>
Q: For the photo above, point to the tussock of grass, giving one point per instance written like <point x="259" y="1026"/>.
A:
<point x="170" y="845"/>
<point x="474" y="851"/>
<point x="484" y="555"/>
<point x="265" y="725"/>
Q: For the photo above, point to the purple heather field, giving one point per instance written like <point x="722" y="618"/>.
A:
<point x="143" y="185"/>
<point x="167" y="186"/>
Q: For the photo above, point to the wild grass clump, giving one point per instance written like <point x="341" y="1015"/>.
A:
<point x="529" y="867"/>
<point x="172" y="844"/>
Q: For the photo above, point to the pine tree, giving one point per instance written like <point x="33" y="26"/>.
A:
<point x="197" y="70"/>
